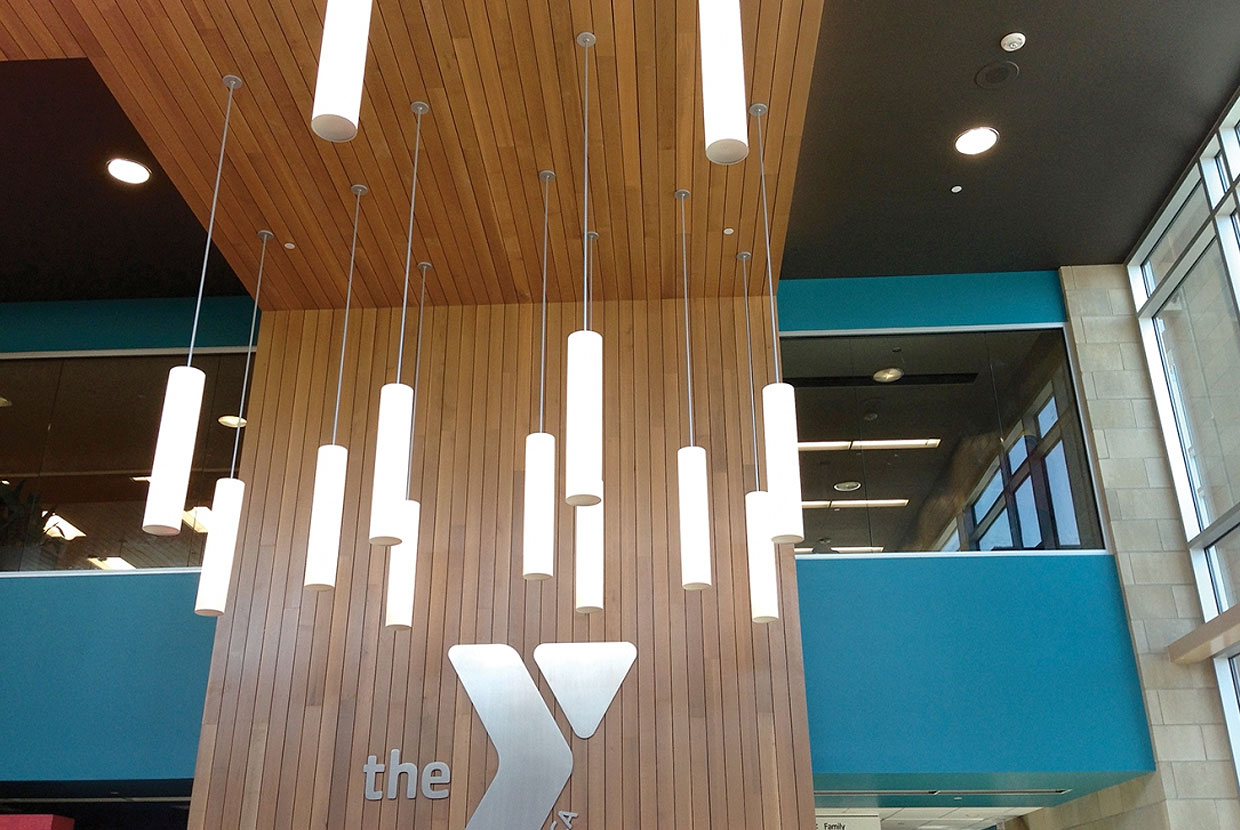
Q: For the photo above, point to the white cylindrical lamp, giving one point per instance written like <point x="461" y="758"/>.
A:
<point x="391" y="464"/>
<point x="342" y="65"/>
<point x="538" y="528"/>
<point x="588" y="572"/>
<point x="326" y="514"/>
<point x="695" y="571"/>
<point x="583" y="429"/>
<point x="174" y="451"/>
<point x="403" y="567"/>
<point x="725" y="118"/>
<point x="763" y="577"/>
<point x="783" y="463"/>
<point x="217" y="555"/>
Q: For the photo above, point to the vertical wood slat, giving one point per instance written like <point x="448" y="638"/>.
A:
<point x="708" y="731"/>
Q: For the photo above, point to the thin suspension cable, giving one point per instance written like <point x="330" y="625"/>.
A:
<point x="766" y="224"/>
<point x="245" y="376"/>
<point x="358" y="190"/>
<point x="419" y="109"/>
<point x="753" y="406"/>
<point x="546" y="176"/>
<point x="681" y="195"/>
<point x="585" y="188"/>
<point x="417" y="374"/>
<point x="232" y="82"/>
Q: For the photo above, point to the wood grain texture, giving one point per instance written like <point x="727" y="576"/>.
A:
<point x="709" y="730"/>
<point x="504" y="82"/>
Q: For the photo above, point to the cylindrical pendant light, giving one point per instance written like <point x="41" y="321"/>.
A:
<point x="178" y="425"/>
<point x="342" y="65"/>
<point x="763" y="569"/>
<point x="327" y="503"/>
<point x="217" y="554"/>
<point x="691" y="467"/>
<point x="538" y="527"/>
<point x="723" y="81"/>
<point x="588" y="571"/>
<point x="403" y="557"/>
<point x="779" y="413"/>
<point x="403" y="568"/>
<point x="393" y="433"/>
<point x="763" y="575"/>
<point x="583" y="428"/>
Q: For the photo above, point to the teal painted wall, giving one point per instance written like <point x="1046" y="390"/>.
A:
<point x="122" y="324"/>
<point x="852" y="303"/>
<point x="102" y="676"/>
<point x="970" y="672"/>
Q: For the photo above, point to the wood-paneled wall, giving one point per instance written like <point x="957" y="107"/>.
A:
<point x="709" y="729"/>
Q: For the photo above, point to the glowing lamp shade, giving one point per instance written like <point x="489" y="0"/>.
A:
<point x="174" y="451"/>
<point x="391" y="464"/>
<point x="217" y="555"/>
<point x="326" y="512"/>
<point x="589" y="569"/>
<point x="583" y="431"/>
<point x="763" y="580"/>
<point x="538" y="530"/>
<point x="724" y="112"/>
<point x="695" y="572"/>
<point x="403" y="567"/>
<point x="783" y="463"/>
<point x="342" y="63"/>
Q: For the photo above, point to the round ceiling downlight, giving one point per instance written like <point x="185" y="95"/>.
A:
<point x="977" y="140"/>
<point x="128" y="171"/>
<point x="888" y="375"/>
<point x="232" y="421"/>
<point x="848" y="486"/>
<point x="995" y="75"/>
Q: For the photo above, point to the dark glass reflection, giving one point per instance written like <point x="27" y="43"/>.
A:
<point x="76" y="437"/>
<point x="1008" y="470"/>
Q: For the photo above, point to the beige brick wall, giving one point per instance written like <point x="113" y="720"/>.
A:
<point x="1194" y="786"/>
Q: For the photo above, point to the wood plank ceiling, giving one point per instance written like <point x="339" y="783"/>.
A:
<point x="503" y="80"/>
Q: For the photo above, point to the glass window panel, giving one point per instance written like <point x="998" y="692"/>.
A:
<point x="1178" y="236"/>
<point x="1048" y="416"/>
<point x="1027" y="512"/>
<point x="1018" y="453"/>
<point x="1062" y="507"/>
<point x="1199" y="334"/>
<point x="79" y="432"/>
<point x="999" y="535"/>
<point x="1225" y="569"/>
<point x="989" y="495"/>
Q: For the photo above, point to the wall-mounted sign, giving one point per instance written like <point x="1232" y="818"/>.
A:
<point x="848" y="823"/>
<point x="535" y="760"/>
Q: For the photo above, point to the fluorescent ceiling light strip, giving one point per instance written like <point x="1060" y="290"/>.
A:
<point x="858" y="549"/>
<point x="810" y="505"/>
<point x="870" y="444"/>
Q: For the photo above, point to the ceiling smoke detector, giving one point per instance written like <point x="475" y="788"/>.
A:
<point x="1012" y="41"/>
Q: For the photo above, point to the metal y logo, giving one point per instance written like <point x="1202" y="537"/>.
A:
<point x="534" y="759"/>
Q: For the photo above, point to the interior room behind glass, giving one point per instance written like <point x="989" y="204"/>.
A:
<point x="975" y="445"/>
<point x="78" y="436"/>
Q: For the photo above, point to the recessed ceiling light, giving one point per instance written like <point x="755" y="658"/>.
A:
<point x="233" y="421"/>
<point x="977" y="140"/>
<point x="888" y="375"/>
<point x="859" y="549"/>
<point x="147" y="479"/>
<point x="848" y="486"/>
<point x="729" y="231"/>
<point x="956" y="188"/>
<point x="289" y="245"/>
<point x="5" y="402"/>
<point x="127" y="171"/>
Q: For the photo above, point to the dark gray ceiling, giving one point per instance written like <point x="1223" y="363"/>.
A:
<point x="68" y="231"/>
<point x="1111" y="101"/>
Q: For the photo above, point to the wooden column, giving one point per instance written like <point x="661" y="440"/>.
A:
<point x="709" y="729"/>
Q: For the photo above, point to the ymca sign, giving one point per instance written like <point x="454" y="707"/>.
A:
<point x="535" y="761"/>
